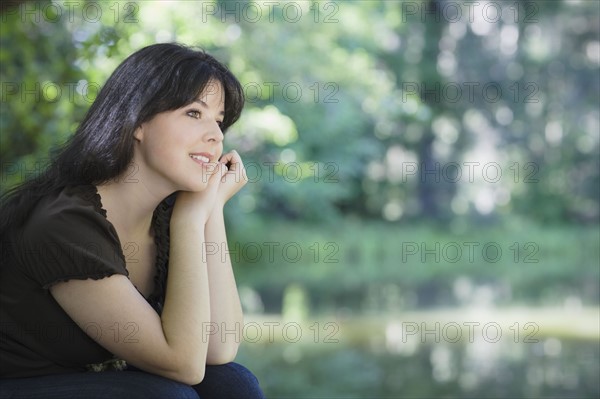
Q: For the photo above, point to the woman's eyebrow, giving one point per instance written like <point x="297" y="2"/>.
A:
<point x="201" y="102"/>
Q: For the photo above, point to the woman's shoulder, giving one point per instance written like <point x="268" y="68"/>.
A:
<point x="75" y="211"/>
<point x="68" y="236"/>
<point x="83" y="198"/>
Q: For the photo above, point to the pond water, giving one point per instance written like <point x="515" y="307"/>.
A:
<point x="476" y="366"/>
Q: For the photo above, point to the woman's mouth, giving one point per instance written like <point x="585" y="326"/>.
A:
<point x="200" y="158"/>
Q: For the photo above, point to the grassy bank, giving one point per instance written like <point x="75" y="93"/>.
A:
<point x="389" y="267"/>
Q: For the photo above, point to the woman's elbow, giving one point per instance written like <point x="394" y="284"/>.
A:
<point x="222" y="355"/>
<point x="192" y="375"/>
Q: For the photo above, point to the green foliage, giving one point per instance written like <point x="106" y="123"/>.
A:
<point x="39" y="100"/>
<point x="331" y="98"/>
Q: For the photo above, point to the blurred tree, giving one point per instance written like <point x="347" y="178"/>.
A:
<point x="351" y="106"/>
<point x="39" y="95"/>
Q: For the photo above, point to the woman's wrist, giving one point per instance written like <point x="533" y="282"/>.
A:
<point x="217" y="212"/>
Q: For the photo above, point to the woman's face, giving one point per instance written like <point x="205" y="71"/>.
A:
<point x="173" y="149"/>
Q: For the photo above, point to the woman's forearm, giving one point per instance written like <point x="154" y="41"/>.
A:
<point x="186" y="313"/>
<point x="225" y="308"/>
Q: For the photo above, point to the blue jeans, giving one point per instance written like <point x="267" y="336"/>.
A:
<point x="227" y="381"/>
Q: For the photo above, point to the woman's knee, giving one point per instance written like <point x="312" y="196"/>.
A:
<point x="109" y="384"/>
<point x="145" y="385"/>
<point x="231" y="380"/>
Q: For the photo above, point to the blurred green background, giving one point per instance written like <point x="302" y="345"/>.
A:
<point x="422" y="217"/>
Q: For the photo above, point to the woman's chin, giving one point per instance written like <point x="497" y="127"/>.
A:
<point x="195" y="187"/>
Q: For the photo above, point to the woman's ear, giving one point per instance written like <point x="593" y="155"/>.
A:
<point x="139" y="133"/>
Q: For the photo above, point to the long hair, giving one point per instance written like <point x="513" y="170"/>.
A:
<point x="155" y="79"/>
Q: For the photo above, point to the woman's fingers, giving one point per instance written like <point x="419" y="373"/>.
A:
<point x="235" y="178"/>
<point x="235" y="166"/>
<point x="231" y="159"/>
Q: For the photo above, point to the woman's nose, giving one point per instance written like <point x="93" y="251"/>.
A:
<point x="214" y="133"/>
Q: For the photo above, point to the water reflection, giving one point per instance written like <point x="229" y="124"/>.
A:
<point x="551" y="367"/>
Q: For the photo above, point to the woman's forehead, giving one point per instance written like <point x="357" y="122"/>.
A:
<point x="212" y="92"/>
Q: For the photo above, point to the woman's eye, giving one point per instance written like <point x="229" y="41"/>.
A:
<point x="194" y="114"/>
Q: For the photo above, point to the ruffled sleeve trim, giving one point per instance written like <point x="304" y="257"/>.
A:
<point x="98" y="276"/>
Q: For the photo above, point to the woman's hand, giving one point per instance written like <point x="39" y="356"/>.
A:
<point x="197" y="206"/>
<point x="233" y="180"/>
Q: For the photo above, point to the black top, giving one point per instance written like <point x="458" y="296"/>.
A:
<point x="67" y="236"/>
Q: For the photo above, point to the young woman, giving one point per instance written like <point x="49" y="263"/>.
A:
<point x="106" y="287"/>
